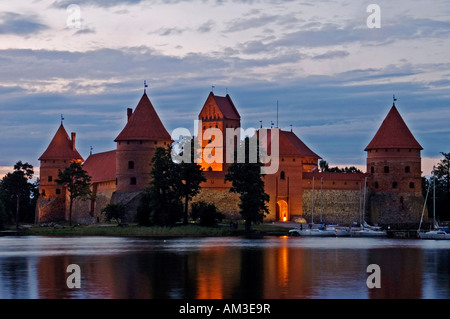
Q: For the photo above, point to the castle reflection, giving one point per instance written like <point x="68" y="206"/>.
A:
<point x="274" y="271"/>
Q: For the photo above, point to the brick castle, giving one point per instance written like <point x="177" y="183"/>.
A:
<point x="388" y="194"/>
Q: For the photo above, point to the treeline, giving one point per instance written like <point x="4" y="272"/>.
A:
<point x="324" y="168"/>
<point x="18" y="196"/>
<point x="439" y="189"/>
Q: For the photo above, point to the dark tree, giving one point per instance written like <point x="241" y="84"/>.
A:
<point x="116" y="212"/>
<point x="161" y="203"/>
<point x="77" y="182"/>
<point x="191" y="177"/>
<point x="247" y="181"/>
<point x="206" y="213"/>
<point x="16" y="186"/>
<point x="441" y="176"/>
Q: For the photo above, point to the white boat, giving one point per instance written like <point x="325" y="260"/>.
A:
<point x="368" y="232"/>
<point x="442" y="233"/>
<point x="438" y="232"/>
<point x="313" y="232"/>
<point x="341" y="232"/>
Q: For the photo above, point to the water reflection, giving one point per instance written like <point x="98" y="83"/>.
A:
<point x="231" y="268"/>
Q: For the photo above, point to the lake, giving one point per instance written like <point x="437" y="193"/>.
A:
<point x="223" y="268"/>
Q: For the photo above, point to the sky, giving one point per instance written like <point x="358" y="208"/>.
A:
<point x="332" y="74"/>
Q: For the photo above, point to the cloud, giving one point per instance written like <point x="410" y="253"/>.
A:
<point x="331" y="55"/>
<point x="18" y="24"/>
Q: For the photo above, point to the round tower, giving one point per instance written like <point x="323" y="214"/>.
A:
<point x="394" y="165"/>
<point x="136" y="146"/>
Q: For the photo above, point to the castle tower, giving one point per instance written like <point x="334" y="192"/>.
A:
<point x="136" y="146"/>
<point x="58" y="156"/>
<point x="394" y="165"/>
<point x="218" y="113"/>
<point x="285" y="187"/>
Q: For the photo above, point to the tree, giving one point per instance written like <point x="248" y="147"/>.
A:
<point x="115" y="211"/>
<point x="247" y="181"/>
<point x="77" y="182"/>
<point x="191" y="177"/>
<point x="16" y="187"/>
<point x="161" y="202"/>
<point x="441" y="176"/>
<point x="206" y="213"/>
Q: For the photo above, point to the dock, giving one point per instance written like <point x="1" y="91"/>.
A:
<point x="11" y="232"/>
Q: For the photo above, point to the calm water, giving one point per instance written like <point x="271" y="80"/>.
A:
<point x="231" y="268"/>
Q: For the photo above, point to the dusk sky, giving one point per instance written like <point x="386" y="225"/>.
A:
<point x="334" y="77"/>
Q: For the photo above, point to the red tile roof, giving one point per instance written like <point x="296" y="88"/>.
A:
<point x="144" y="124"/>
<point x="101" y="167"/>
<point x="290" y="145"/>
<point x="61" y="147"/>
<point x="225" y="105"/>
<point x="393" y="133"/>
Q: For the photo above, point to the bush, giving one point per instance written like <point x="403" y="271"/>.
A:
<point x="206" y="213"/>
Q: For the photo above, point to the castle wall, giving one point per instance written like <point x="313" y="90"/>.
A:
<point x="334" y="206"/>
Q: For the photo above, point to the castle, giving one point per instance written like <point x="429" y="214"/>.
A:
<point x="388" y="194"/>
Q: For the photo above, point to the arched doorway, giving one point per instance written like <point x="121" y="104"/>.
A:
<point x="283" y="211"/>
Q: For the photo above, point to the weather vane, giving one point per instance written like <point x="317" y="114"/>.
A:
<point x="395" y="99"/>
<point x="212" y="88"/>
<point x="145" y="86"/>
<point x="62" y="119"/>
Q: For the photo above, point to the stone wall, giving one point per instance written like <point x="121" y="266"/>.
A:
<point x="393" y="209"/>
<point x="50" y="210"/>
<point x="226" y="202"/>
<point x="335" y="206"/>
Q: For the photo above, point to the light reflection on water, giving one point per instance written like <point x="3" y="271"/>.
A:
<point x="232" y="268"/>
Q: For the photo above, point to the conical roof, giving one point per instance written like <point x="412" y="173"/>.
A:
<point x="61" y="147"/>
<point x="144" y="124"/>
<point x="393" y="133"/>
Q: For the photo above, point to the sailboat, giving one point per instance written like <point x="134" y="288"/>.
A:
<point x="367" y="230"/>
<point x="438" y="232"/>
<point x="322" y="230"/>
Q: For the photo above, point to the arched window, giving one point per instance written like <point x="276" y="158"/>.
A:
<point x="386" y="169"/>
<point x="130" y="165"/>
<point x="377" y="185"/>
<point x="133" y="181"/>
<point x="372" y="169"/>
<point x="394" y="185"/>
<point x="283" y="176"/>
<point x="407" y="169"/>
<point x="411" y="185"/>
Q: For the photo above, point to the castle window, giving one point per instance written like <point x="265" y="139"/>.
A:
<point x="117" y="181"/>
<point x="43" y="193"/>
<point x="386" y="150"/>
<point x="394" y="185"/>
<point x="407" y="169"/>
<point x="133" y="181"/>
<point x="283" y="176"/>
<point x="386" y="169"/>
<point x="411" y="185"/>
<point x="58" y="191"/>
<point x="377" y="185"/>
<point x="130" y="165"/>
<point x="372" y="169"/>
<point x="50" y="178"/>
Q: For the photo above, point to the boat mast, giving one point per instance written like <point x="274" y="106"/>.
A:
<point x="312" y="205"/>
<point x="364" y="202"/>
